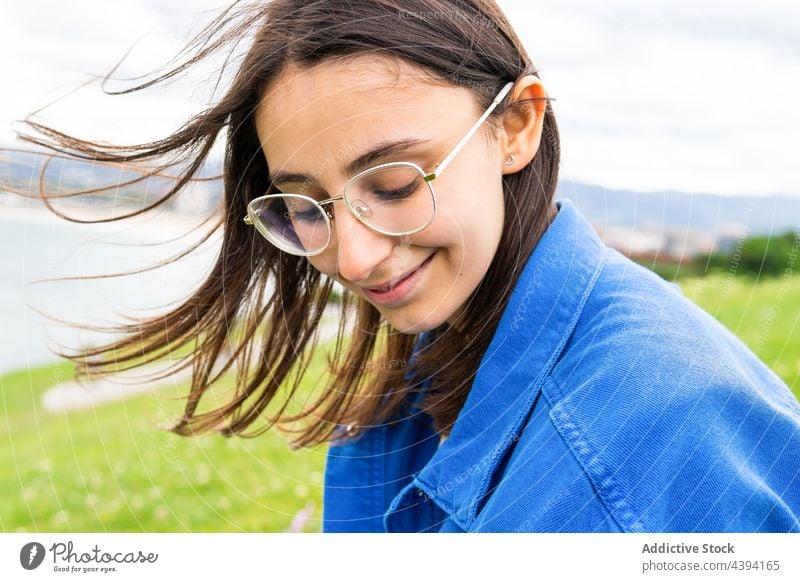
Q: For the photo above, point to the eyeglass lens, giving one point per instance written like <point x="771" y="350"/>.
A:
<point x="394" y="200"/>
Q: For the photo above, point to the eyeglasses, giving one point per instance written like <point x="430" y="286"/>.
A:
<point x="395" y="198"/>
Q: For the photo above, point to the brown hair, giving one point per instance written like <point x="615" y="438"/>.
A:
<point x="460" y="42"/>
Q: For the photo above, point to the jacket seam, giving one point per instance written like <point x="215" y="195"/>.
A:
<point x="609" y="492"/>
<point x="430" y="492"/>
<point x="500" y="450"/>
<point x="538" y="385"/>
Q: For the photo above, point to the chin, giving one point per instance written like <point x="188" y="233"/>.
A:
<point x="408" y="323"/>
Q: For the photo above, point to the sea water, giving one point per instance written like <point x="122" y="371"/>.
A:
<point x="35" y="244"/>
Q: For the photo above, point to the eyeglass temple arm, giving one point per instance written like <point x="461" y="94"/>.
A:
<point x="445" y="162"/>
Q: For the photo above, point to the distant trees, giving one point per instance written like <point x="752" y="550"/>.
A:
<point x="758" y="256"/>
<point x="755" y="256"/>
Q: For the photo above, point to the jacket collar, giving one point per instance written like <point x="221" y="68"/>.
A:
<point x="539" y="318"/>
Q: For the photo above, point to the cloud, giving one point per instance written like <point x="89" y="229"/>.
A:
<point x="51" y="48"/>
<point x="657" y="95"/>
<point x="671" y="95"/>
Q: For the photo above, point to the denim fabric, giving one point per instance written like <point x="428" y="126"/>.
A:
<point x="606" y="401"/>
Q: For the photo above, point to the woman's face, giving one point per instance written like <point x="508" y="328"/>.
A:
<point x="313" y="122"/>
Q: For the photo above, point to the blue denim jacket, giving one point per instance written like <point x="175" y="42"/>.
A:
<point x="607" y="401"/>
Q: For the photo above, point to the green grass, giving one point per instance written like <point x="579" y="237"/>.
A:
<point x="112" y="469"/>
<point x="764" y="314"/>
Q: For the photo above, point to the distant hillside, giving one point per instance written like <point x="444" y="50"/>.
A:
<point x="606" y="209"/>
<point x="706" y="212"/>
<point x="21" y="171"/>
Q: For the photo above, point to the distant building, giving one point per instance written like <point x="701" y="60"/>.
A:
<point x="654" y="243"/>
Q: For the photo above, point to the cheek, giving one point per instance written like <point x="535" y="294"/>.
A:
<point x="470" y="199"/>
<point x="474" y="222"/>
<point x="324" y="263"/>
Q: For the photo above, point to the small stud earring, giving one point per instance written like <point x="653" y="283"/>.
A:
<point x="510" y="159"/>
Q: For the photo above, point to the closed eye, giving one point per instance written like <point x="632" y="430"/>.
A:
<point x="312" y="215"/>
<point x="396" y="193"/>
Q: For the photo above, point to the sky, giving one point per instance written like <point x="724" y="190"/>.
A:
<point x="698" y="96"/>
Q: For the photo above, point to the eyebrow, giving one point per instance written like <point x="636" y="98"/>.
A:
<point x="362" y="162"/>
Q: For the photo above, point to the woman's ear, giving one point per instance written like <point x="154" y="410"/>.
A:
<point x="523" y="122"/>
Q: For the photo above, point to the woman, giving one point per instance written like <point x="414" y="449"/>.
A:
<point x="409" y="152"/>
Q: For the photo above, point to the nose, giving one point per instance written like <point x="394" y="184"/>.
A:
<point x="359" y="249"/>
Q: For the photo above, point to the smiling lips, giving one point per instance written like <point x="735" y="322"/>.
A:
<point x="395" y="280"/>
<point x="397" y="288"/>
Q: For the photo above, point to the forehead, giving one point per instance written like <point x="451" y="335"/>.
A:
<point x="338" y="108"/>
